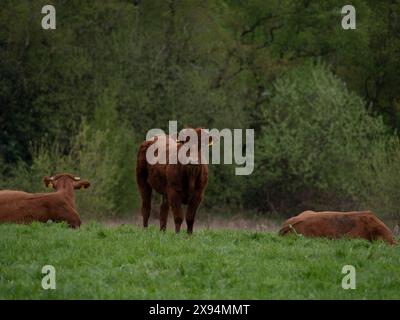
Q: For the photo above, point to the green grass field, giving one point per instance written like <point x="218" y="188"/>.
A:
<point x="127" y="262"/>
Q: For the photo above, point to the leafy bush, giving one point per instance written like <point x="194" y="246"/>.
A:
<point x="103" y="152"/>
<point x="319" y="147"/>
<point x="379" y="181"/>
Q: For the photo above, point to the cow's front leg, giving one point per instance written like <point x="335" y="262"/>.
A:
<point x="192" y="207"/>
<point x="175" y="202"/>
<point x="68" y="214"/>
<point x="164" y="208"/>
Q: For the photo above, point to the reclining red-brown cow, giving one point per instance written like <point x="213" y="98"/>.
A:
<point x="356" y="224"/>
<point x="177" y="183"/>
<point x="23" y="207"/>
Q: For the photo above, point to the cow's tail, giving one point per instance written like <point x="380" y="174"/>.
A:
<point x="141" y="163"/>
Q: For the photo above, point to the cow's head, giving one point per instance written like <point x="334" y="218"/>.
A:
<point x="200" y="136"/>
<point x="198" y="139"/>
<point x="64" y="179"/>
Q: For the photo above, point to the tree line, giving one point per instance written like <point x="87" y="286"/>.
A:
<point x="323" y="101"/>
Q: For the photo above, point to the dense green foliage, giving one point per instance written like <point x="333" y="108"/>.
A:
<point x="323" y="101"/>
<point x="91" y="263"/>
<point x="319" y="147"/>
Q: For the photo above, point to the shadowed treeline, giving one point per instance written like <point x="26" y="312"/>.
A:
<point x="324" y="102"/>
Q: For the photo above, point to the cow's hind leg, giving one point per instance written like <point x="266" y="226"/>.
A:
<point x="175" y="202"/>
<point x="145" y="192"/>
<point x="144" y="187"/>
<point x="164" y="208"/>
<point x="192" y="207"/>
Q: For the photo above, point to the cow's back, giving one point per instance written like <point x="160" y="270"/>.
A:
<point x="356" y="224"/>
<point x="8" y="198"/>
<point x="15" y="205"/>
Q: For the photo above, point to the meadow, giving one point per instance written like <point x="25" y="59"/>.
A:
<point x="324" y="107"/>
<point x="127" y="262"/>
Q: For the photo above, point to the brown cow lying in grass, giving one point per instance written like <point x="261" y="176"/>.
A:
<point x="23" y="207"/>
<point x="357" y="224"/>
<point x="177" y="183"/>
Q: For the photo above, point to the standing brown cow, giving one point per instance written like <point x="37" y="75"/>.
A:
<point x="331" y="224"/>
<point x="177" y="183"/>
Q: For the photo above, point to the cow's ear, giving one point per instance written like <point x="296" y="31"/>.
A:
<point x="48" y="181"/>
<point x="82" y="184"/>
<point x="211" y="138"/>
